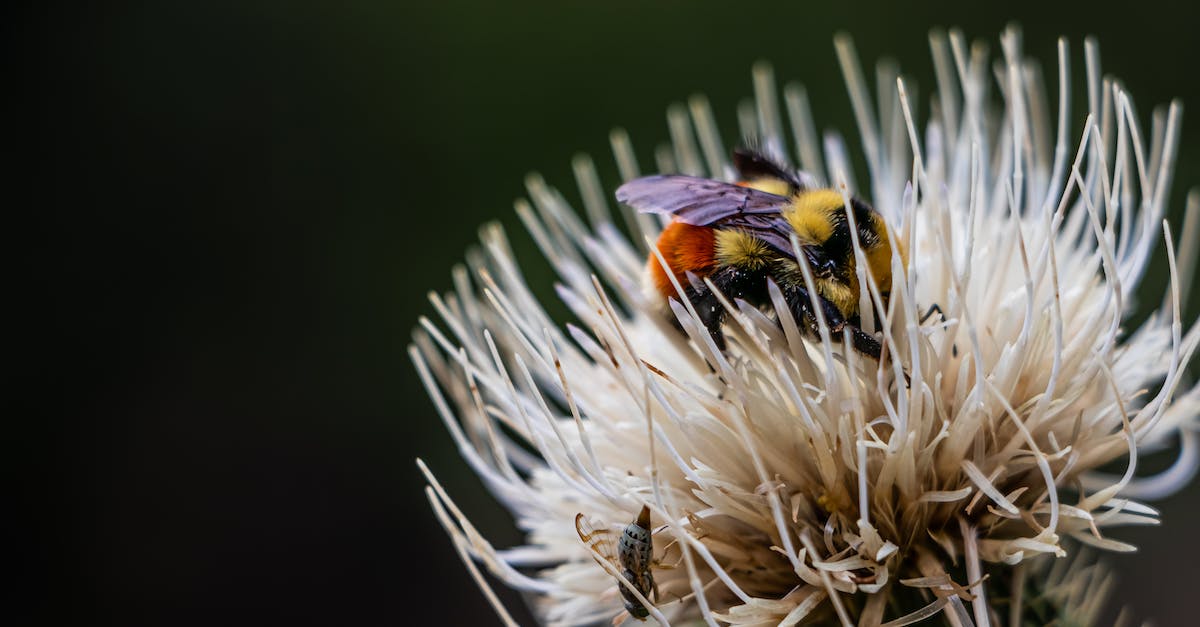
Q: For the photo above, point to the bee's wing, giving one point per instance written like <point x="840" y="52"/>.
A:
<point x="705" y="202"/>
<point x="697" y="201"/>
<point x="599" y="540"/>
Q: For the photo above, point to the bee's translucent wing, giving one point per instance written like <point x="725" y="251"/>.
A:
<point x="705" y="202"/>
<point x="695" y="200"/>
<point x="599" y="540"/>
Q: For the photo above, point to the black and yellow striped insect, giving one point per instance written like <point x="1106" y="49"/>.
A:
<point x="738" y="235"/>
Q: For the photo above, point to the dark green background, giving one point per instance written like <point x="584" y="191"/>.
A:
<point x="239" y="208"/>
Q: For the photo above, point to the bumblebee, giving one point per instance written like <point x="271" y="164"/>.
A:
<point x="738" y="235"/>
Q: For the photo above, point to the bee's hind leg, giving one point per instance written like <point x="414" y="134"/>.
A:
<point x="733" y="283"/>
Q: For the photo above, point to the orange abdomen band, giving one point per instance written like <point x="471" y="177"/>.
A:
<point x="686" y="248"/>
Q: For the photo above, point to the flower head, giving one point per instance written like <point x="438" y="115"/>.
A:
<point x="791" y="479"/>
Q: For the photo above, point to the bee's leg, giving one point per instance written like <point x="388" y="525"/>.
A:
<point x="929" y="312"/>
<point x="709" y="310"/>
<point x="801" y="304"/>
<point x="862" y="341"/>
<point x="801" y="308"/>
<point x="733" y="283"/>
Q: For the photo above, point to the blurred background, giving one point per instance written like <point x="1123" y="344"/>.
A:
<point x="239" y="208"/>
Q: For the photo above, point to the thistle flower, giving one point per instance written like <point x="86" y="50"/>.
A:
<point x="792" y="480"/>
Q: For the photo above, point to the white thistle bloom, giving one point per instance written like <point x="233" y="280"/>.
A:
<point x="789" y="479"/>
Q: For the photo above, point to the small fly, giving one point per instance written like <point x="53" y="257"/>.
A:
<point x="633" y="557"/>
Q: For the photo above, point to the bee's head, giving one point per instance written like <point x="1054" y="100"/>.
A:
<point x="819" y="218"/>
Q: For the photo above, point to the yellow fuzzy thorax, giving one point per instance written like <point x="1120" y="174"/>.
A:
<point x="811" y="214"/>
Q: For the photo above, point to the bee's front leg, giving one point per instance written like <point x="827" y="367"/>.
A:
<point x="865" y="343"/>
<point x="801" y="306"/>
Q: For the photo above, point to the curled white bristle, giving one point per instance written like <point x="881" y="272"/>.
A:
<point x="790" y="480"/>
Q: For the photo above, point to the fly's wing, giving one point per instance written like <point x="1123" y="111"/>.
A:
<point x="599" y="540"/>
<point x="705" y="202"/>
